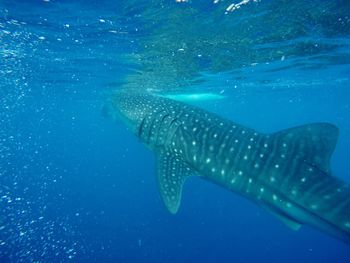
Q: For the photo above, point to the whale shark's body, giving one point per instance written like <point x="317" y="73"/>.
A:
<point x="286" y="172"/>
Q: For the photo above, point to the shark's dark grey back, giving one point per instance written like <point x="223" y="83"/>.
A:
<point x="287" y="172"/>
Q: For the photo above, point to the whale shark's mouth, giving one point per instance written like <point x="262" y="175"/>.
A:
<point x="188" y="97"/>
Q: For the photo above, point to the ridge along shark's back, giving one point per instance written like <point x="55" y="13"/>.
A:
<point x="287" y="172"/>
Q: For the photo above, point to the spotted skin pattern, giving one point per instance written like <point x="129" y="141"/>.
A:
<point x="287" y="172"/>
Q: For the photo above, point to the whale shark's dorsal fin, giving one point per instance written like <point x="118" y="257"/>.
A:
<point x="316" y="143"/>
<point x="171" y="174"/>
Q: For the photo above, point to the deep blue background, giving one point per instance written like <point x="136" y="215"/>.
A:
<point x="76" y="186"/>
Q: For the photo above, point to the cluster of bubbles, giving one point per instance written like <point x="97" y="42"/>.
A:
<point x="30" y="237"/>
<point x="47" y="55"/>
<point x="29" y="230"/>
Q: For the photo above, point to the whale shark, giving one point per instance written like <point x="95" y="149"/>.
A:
<point x="287" y="172"/>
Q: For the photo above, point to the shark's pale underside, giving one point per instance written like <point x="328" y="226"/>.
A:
<point x="287" y="173"/>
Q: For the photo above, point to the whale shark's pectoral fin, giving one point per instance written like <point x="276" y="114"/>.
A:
<point x="292" y="224"/>
<point x="288" y="221"/>
<point x="171" y="174"/>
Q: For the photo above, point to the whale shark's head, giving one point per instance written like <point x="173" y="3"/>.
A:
<point x="150" y="117"/>
<point x="132" y="108"/>
<point x="129" y="109"/>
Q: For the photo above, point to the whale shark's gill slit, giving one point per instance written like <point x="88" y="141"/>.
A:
<point x="174" y="125"/>
<point x="161" y="126"/>
<point x="152" y="125"/>
<point x="141" y="127"/>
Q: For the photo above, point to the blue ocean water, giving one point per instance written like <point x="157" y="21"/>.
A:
<point x="77" y="187"/>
